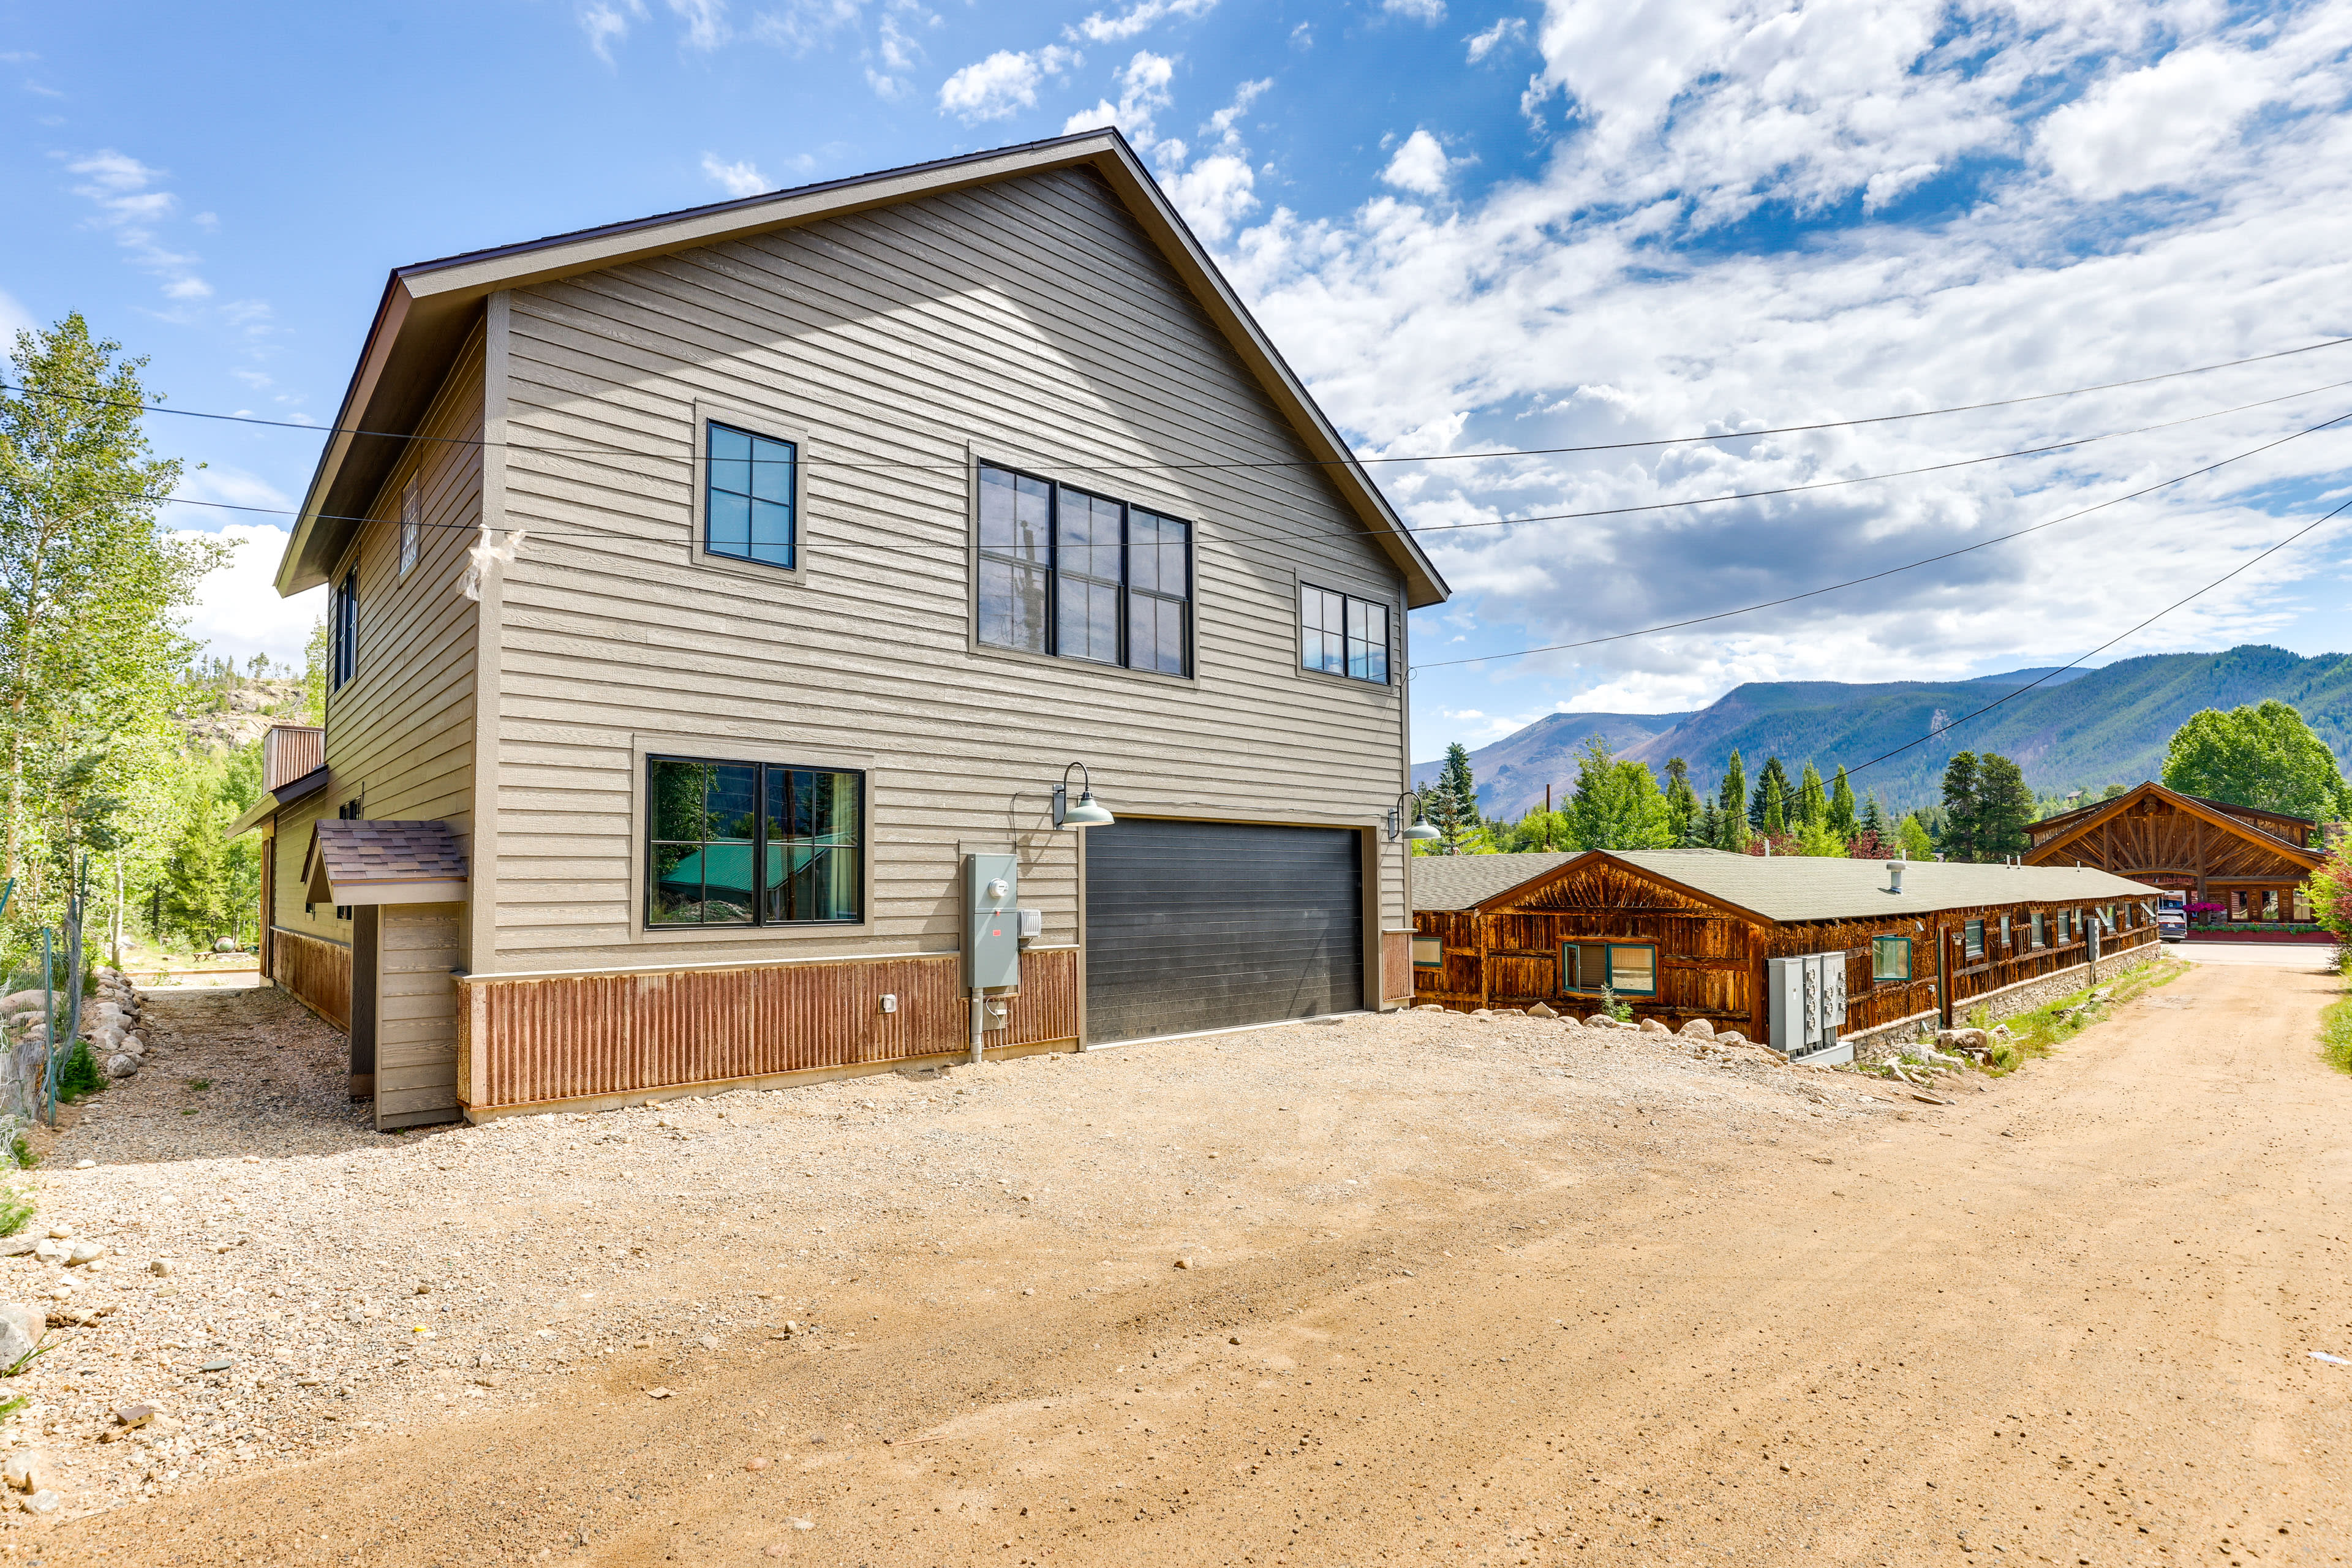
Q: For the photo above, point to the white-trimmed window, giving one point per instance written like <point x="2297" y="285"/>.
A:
<point x="412" y="526"/>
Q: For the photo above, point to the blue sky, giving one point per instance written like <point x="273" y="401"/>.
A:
<point x="1472" y="227"/>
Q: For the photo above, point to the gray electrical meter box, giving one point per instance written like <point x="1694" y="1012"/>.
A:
<point x="1808" y="1007"/>
<point x="991" y="949"/>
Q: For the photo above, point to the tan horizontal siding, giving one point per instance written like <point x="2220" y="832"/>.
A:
<point x="1032" y="319"/>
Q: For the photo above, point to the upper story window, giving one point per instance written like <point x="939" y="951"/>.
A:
<point x="1340" y="634"/>
<point x="1078" y="575"/>
<point x="412" y="526"/>
<point x="750" y="505"/>
<point x="343" y="631"/>
<point x="752" y="844"/>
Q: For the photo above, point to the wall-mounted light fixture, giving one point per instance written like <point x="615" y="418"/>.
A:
<point x="1088" y="812"/>
<point x="1420" y="831"/>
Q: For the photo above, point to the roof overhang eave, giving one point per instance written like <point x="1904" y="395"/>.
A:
<point x="416" y="329"/>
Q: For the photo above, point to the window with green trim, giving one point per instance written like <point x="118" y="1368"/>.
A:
<point x="1890" y="958"/>
<point x="1628" y="968"/>
<point x="1428" y="952"/>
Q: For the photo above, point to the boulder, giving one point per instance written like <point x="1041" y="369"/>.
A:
<point x="1540" y="1011"/>
<point x="85" y="1251"/>
<point x="1651" y="1027"/>
<point x="122" y="1064"/>
<point x="1730" y="1037"/>
<point x="1699" y="1029"/>
<point x="20" y="1332"/>
<point x="22" y="1001"/>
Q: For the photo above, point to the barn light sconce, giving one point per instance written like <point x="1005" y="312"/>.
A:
<point x="1088" y="812"/>
<point x="1420" y="832"/>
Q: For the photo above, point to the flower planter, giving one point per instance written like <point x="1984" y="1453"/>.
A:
<point x="2225" y="933"/>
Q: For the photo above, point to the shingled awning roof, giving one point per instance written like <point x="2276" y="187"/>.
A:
<point x="384" y="863"/>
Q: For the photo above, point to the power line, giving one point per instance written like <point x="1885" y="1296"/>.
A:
<point x="1285" y="463"/>
<point x="2111" y="642"/>
<point x="1277" y="531"/>
<point x="1891" y="570"/>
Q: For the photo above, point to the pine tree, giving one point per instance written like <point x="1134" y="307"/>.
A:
<point x="1451" y="805"/>
<point x="1774" y="773"/>
<point x="1731" y="827"/>
<point x="1812" y="801"/>
<point x="1962" y="836"/>
<point x="1775" y="824"/>
<point x="1710" y="831"/>
<point x="1682" y="802"/>
<point x="2004" y="806"/>
<point x="1842" y="821"/>
<point x="1873" y="815"/>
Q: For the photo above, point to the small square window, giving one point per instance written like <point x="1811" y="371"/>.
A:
<point x="1890" y="958"/>
<point x="1428" y="952"/>
<point x="750" y="498"/>
<point x="1344" y="636"/>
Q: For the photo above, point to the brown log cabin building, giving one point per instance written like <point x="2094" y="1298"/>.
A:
<point x="1688" y="934"/>
<point x="2255" y="862"/>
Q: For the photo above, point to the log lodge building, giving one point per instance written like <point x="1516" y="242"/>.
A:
<point x="2254" y="862"/>
<point x="1688" y="934"/>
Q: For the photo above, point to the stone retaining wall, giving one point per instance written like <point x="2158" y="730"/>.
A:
<point x="1888" y="1039"/>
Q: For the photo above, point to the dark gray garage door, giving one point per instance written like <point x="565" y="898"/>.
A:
<point x="1206" y="925"/>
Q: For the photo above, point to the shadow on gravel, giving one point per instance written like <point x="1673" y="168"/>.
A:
<point x="230" y="1073"/>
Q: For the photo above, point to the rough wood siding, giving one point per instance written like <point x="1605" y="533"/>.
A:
<point x="400" y="733"/>
<point x="416" y="1020"/>
<point x="538" y="1041"/>
<point x="1029" y="323"/>
<point x="1712" y="963"/>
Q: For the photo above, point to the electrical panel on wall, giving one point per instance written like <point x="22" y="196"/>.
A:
<point x="991" y="949"/>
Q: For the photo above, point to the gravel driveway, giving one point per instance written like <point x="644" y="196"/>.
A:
<point x="324" y="1283"/>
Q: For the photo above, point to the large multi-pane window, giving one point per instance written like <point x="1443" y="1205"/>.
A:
<point x="1341" y="635"/>
<point x="1078" y="575"/>
<point x="1890" y="958"/>
<point x="752" y="844"/>
<point x="1628" y="968"/>
<point x="748" y="500"/>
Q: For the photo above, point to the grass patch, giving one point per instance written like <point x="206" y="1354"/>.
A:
<point x="15" y="1208"/>
<point x="2037" y="1034"/>
<point x="2336" y="1024"/>
<point x="81" y="1075"/>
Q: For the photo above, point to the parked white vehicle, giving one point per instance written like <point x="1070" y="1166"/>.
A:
<point x="2172" y="916"/>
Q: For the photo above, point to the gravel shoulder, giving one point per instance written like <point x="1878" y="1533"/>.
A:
<point x="1442" y="1288"/>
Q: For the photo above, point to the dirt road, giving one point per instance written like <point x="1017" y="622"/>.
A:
<point x="2065" y="1320"/>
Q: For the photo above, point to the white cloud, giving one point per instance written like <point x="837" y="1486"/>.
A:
<point x="1420" y="165"/>
<point x="1142" y="93"/>
<point x="1511" y="29"/>
<point x="119" y="187"/>
<point x="705" y="21"/>
<point x="1136" y="19"/>
<point x="607" y="23"/>
<point x="742" y="178"/>
<point x="1430" y="11"/>
<point x="1572" y="306"/>
<point x="237" y="611"/>
<point x="802" y="24"/>
<point x="1002" y="84"/>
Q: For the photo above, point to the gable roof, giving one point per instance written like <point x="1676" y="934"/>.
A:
<point x="428" y="310"/>
<point x="1789" y="888"/>
<point x="1458" y="882"/>
<point x="2247" y="822"/>
<point x="384" y="863"/>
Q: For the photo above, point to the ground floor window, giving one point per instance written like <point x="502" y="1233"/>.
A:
<point x="1973" y="939"/>
<point x="1428" y="952"/>
<point x="2303" y="904"/>
<point x="752" y="844"/>
<point x="1629" y="969"/>
<point x="1890" y="958"/>
<point x="2036" y="934"/>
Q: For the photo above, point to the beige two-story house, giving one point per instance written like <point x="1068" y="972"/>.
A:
<point x="706" y="589"/>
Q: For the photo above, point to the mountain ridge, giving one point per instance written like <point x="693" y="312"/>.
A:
<point x="2084" y="729"/>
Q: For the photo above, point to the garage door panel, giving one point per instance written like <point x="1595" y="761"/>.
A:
<point x="1197" y="925"/>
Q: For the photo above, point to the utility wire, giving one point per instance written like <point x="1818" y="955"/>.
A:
<point x="1891" y="570"/>
<point x="2111" y="642"/>
<point x="1350" y="460"/>
<point x="1277" y="531"/>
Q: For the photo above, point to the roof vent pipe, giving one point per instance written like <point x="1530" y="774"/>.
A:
<point x="1894" y="876"/>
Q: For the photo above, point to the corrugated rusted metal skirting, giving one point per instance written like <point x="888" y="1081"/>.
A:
<point x="530" y="1042"/>
<point x="318" y="974"/>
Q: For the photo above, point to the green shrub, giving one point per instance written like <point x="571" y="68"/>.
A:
<point x="2336" y="1023"/>
<point x="15" y="1208"/>
<point x="21" y="1151"/>
<point x="81" y="1075"/>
